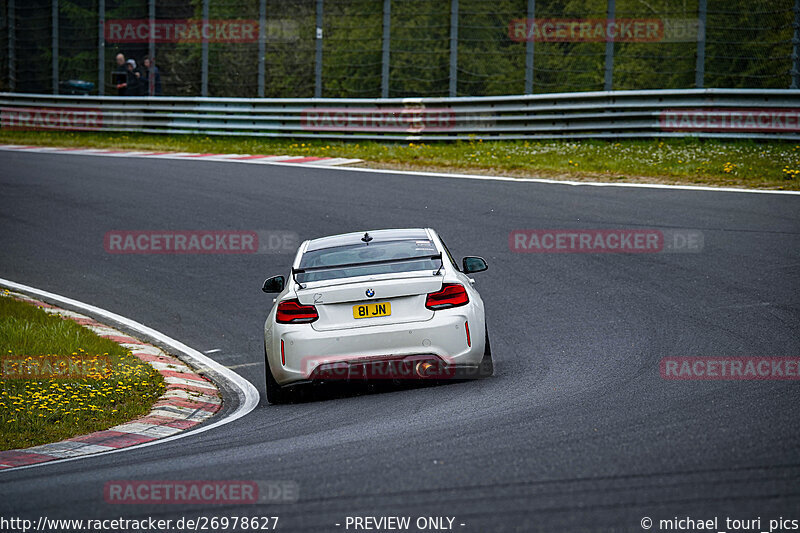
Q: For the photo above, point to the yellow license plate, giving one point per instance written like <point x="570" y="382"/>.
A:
<point x="372" y="310"/>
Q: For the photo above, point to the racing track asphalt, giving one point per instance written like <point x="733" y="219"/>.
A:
<point x="577" y="430"/>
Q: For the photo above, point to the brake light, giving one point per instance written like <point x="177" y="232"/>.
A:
<point x="293" y="312"/>
<point x="451" y="295"/>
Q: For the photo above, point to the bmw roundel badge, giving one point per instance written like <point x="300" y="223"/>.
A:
<point x="370" y="293"/>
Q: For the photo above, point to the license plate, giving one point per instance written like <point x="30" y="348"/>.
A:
<point x="372" y="310"/>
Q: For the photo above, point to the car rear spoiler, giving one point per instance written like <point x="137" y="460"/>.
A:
<point x="296" y="271"/>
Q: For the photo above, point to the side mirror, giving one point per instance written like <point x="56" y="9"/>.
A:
<point x="274" y="284"/>
<point x="473" y="264"/>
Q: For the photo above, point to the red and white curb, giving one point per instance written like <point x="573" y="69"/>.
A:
<point x="189" y="400"/>
<point x="229" y="158"/>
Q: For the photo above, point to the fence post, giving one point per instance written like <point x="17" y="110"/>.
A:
<point x="700" y="68"/>
<point x="12" y="44"/>
<point x="262" y="45"/>
<point x="453" y="47"/>
<point x="54" y="45"/>
<point x="204" y="60"/>
<point x="529" y="50"/>
<point x="609" y="77"/>
<point x="387" y="44"/>
<point x="101" y="47"/>
<point x="796" y="47"/>
<point x="151" y="49"/>
<point x="318" y="52"/>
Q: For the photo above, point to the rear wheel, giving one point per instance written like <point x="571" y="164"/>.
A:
<point x="275" y="393"/>
<point x="486" y="368"/>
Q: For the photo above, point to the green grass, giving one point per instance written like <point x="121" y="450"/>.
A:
<point x="768" y="165"/>
<point x="40" y="410"/>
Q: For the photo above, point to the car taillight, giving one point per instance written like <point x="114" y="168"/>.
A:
<point x="293" y="312"/>
<point x="451" y="295"/>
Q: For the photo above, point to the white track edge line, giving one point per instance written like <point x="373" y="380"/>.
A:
<point x="449" y="175"/>
<point x="537" y="180"/>
<point x="249" y="396"/>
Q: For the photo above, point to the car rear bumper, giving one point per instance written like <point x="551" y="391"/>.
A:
<point x="381" y="351"/>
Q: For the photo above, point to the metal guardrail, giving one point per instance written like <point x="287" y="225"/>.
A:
<point x="708" y="113"/>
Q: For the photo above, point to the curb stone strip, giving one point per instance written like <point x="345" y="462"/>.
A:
<point x="244" y="395"/>
<point x="180" y="407"/>
<point x="226" y="158"/>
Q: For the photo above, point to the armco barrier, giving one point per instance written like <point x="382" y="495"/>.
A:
<point x="720" y="113"/>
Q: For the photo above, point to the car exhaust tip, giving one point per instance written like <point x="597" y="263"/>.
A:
<point x="425" y="369"/>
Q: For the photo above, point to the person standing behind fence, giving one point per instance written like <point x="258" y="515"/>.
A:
<point x="152" y="86"/>
<point x="133" y="84"/>
<point x="119" y="76"/>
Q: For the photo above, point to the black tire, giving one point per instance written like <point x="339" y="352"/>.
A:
<point x="275" y="393"/>
<point x="486" y="368"/>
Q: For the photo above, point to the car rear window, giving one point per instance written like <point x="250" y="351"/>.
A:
<point x="359" y="256"/>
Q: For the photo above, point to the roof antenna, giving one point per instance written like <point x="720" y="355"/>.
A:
<point x="366" y="238"/>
